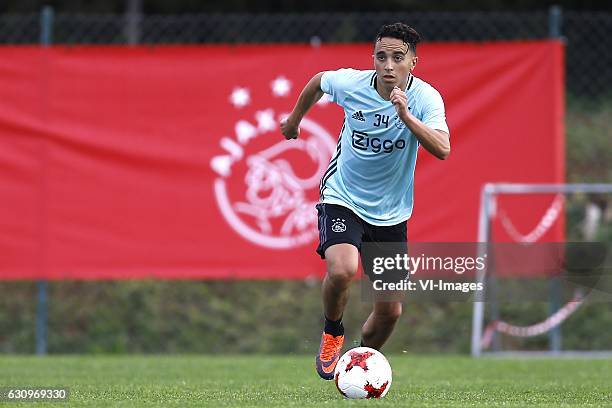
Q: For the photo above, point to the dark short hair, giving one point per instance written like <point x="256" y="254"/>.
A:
<point x="402" y="32"/>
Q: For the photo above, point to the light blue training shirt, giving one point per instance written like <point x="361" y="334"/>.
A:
<point x="372" y="170"/>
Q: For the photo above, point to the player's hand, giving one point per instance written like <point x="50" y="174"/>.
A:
<point x="400" y="101"/>
<point x="289" y="129"/>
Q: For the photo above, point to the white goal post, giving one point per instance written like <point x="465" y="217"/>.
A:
<point x="488" y="195"/>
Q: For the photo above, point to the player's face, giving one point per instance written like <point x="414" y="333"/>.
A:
<point x="393" y="61"/>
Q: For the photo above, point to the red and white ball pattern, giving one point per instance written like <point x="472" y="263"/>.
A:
<point x="363" y="372"/>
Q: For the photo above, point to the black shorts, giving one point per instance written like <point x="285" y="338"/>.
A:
<point x="339" y="225"/>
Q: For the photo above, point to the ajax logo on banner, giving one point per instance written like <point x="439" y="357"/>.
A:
<point x="267" y="187"/>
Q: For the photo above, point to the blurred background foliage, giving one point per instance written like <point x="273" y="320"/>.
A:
<point x="246" y="317"/>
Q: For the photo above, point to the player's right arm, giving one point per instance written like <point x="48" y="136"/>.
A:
<point x="290" y="127"/>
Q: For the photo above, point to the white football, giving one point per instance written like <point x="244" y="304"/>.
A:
<point x="363" y="372"/>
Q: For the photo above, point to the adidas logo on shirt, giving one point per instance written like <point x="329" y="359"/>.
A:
<point x="359" y="116"/>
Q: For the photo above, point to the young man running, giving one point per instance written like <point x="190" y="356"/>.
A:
<point x="367" y="190"/>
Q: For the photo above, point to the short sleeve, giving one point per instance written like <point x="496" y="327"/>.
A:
<point x="336" y="83"/>
<point x="434" y="115"/>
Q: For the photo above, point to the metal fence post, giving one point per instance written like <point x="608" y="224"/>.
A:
<point x="555" y="18"/>
<point x="46" y="38"/>
<point x="46" y="26"/>
<point x="41" y="319"/>
<point x="133" y="17"/>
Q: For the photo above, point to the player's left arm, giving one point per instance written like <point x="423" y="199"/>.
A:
<point x="436" y="142"/>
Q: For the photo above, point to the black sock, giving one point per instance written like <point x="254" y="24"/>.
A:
<point x="334" y="327"/>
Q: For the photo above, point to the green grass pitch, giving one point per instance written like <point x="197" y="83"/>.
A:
<point x="282" y="381"/>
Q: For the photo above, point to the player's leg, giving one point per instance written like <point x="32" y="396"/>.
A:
<point x="380" y="324"/>
<point x="387" y="241"/>
<point x="342" y="262"/>
<point x="340" y="233"/>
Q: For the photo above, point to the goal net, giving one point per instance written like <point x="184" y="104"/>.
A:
<point x="547" y="282"/>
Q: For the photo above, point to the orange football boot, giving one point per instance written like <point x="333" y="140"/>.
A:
<point x="329" y="353"/>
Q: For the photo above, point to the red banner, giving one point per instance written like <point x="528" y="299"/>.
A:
<point x="167" y="162"/>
